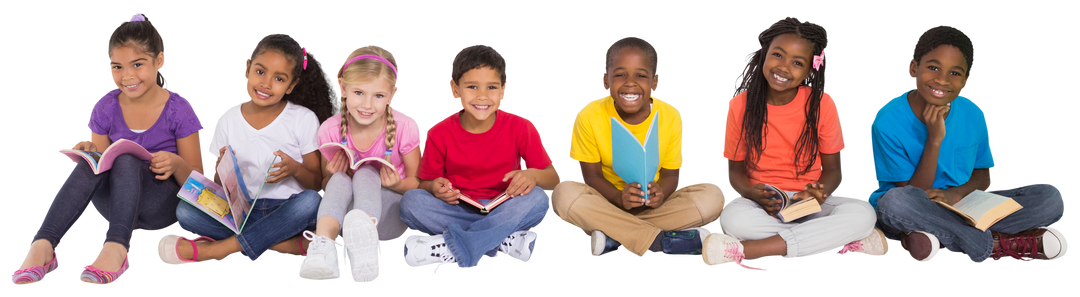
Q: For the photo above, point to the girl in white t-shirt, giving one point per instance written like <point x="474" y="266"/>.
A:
<point x="372" y="193"/>
<point x="290" y="96"/>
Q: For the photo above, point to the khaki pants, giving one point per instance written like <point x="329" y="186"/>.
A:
<point x="689" y="207"/>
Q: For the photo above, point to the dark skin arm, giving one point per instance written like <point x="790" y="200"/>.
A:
<point x="933" y="116"/>
<point x="631" y="195"/>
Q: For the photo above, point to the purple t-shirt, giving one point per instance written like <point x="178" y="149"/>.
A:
<point x="177" y="120"/>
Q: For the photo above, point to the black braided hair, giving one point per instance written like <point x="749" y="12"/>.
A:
<point x="945" y="35"/>
<point x="631" y="42"/>
<point x="756" y="88"/>
<point x="312" y="90"/>
<point x="141" y="34"/>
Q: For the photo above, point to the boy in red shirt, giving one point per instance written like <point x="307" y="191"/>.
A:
<point x="477" y="152"/>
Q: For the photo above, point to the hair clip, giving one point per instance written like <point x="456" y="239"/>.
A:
<point x="304" y="49"/>
<point x="819" y="60"/>
<point x="138" y="17"/>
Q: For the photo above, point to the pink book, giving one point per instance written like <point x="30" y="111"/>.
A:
<point x="101" y="162"/>
<point x="330" y="148"/>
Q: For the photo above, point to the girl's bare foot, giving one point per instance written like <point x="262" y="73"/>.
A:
<point x="292" y="245"/>
<point x="40" y="254"/>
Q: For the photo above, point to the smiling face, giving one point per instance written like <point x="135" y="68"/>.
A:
<point x="787" y="62"/>
<point x="631" y="81"/>
<point x="269" y="78"/>
<point x="366" y="102"/>
<point x="480" y="90"/>
<point x="134" y="71"/>
<point x="939" y="75"/>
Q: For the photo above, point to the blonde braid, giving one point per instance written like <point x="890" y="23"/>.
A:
<point x="391" y="131"/>
<point x="344" y="122"/>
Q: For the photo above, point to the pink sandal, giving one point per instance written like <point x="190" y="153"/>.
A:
<point x="33" y="274"/>
<point x="169" y="250"/>
<point x="98" y="276"/>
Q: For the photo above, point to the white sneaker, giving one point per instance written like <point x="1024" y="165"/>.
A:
<point x="362" y="245"/>
<point x="519" y="245"/>
<point x="874" y="244"/>
<point x="722" y="248"/>
<point x="321" y="260"/>
<point x="424" y="250"/>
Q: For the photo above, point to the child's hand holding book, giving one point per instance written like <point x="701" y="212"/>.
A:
<point x="812" y="190"/>
<point x="764" y="197"/>
<point x="521" y="182"/>
<point x="656" y="195"/>
<point x="442" y="189"/>
<point x="286" y="168"/>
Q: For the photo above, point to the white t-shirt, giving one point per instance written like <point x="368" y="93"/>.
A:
<point x="292" y="132"/>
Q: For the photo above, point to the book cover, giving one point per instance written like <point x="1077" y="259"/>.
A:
<point x="101" y="162"/>
<point x="329" y="149"/>
<point x="633" y="160"/>
<point x="230" y="202"/>
<point x="981" y="209"/>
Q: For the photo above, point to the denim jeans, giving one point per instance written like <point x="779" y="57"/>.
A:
<point x="907" y="209"/>
<point x="470" y="234"/>
<point x="271" y="221"/>
<point x="128" y="196"/>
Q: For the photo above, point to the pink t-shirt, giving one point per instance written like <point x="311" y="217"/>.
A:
<point x="406" y="139"/>
<point x="476" y="163"/>
<point x="776" y="165"/>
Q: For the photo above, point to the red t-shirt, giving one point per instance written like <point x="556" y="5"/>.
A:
<point x="476" y="163"/>
<point x="776" y="165"/>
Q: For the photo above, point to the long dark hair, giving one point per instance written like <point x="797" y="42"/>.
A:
<point x="312" y="90"/>
<point x="756" y="88"/>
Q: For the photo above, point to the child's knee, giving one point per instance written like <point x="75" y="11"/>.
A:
<point x="901" y="201"/>
<point x="565" y="194"/>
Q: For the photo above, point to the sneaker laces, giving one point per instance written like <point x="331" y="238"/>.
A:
<point x="1024" y="244"/>
<point x="851" y="247"/>
<point x="318" y="242"/>
<point x="732" y="252"/>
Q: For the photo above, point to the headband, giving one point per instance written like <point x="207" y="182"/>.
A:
<point x="138" y="17"/>
<point x="305" y="57"/>
<point x="357" y="58"/>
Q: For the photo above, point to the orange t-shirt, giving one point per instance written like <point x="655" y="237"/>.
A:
<point x="776" y="165"/>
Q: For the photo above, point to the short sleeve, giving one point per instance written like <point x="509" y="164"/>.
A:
<point x="830" y="136"/>
<point x="733" y="132"/>
<point x="983" y="158"/>
<point x="530" y="147"/>
<point x="583" y="146"/>
<point x="221" y="134"/>
<point x="673" y="159"/>
<point x="101" y="115"/>
<point x="433" y="161"/>
<point x="890" y="160"/>
<point x="408" y="136"/>
<point x="183" y="118"/>
<point x="330" y="130"/>
<point x="307" y="132"/>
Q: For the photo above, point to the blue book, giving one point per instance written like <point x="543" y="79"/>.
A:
<point x="633" y="161"/>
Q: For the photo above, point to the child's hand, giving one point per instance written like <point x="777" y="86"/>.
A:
<point x="338" y="163"/>
<point x="632" y="196"/>
<point x="286" y="168"/>
<point x="934" y="118"/>
<point x="442" y="189"/>
<point x="812" y="190"/>
<point x="221" y="153"/>
<point x="85" y="146"/>
<point x="390" y="178"/>
<point x="656" y="195"/>
<point x="941" y="195"/>
<point x="164" y="164"/>
<point x="521" y="182"/>
<point x="764" y="198"/>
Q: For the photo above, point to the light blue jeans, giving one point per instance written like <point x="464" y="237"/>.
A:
<point x="270" y="221"/>
<point x="470" y="234"/>
<point x="907" y="209"/>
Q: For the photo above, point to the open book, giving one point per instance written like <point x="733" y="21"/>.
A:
<point x="791" y="209"/>
<point x="485" y="208"/>
<point x="101" y="162"/>
<point x="981" y="209"/>
<point x="330" y="148"/>
<point x="228" y="203"/>
<point x="633" y="161"/>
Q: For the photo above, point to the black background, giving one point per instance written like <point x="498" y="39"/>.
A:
<point x="556" y="56"/>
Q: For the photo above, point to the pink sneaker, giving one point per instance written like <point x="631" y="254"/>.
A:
<point x="33" y="274"/>
<point x="98" y="276"/>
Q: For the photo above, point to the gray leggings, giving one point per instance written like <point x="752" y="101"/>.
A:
<point x="364" y="192"/>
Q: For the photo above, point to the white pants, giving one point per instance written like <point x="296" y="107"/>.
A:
<point x="840" y="221"/>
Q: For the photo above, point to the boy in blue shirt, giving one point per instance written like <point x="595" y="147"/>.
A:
<point x="918" y="163"/>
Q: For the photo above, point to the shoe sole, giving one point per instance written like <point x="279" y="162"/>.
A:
<point x="598" y="240"/>
<point x="880" y="238"/>
<point x="317" y="273"/>
<point x="707" y="249"/>
<point x="362" y="244"/>
<point x="934" y="245"/>
<point x="1060" y="238"/>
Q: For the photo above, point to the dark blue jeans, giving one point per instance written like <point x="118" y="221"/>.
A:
<point x="907" y="209"/>
<point x="128" y="196"/>
<point x="270" y="221"/>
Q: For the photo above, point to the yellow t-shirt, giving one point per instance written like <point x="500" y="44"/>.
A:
<point x="592" y="136"/>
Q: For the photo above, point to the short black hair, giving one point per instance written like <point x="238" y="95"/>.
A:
<point x="475" y="57"/>
<point x="944" y="35"/>
<point x="634" y="42"/>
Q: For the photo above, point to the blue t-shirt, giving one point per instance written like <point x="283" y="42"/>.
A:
<point x="899" y="138"/>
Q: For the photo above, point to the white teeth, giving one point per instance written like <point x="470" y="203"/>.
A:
<point x="482" y="106"/>
<point x="262" y="94"/>
<point x="781" y="79"/>
<point x="132" y="86"/>
<point x="939" y="92"/>
<point x="631" y="97"/>
<point x="366" y="113"/>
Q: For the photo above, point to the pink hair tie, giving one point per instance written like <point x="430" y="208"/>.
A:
<point x="304" y="49"/>
<point x="381" y="59"/>
<point x="819" y="60"/>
